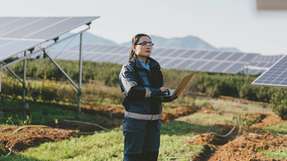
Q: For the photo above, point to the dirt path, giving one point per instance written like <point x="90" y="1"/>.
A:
<point x="247" y="147"/>
<point x="243" y="147"/>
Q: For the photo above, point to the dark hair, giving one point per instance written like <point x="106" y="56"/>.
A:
<point x="135" y="40"/>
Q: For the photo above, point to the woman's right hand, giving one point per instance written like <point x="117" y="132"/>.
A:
<point x="162" y="89"/>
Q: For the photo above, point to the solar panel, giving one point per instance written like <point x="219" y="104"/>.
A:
<point x="18" y="34"/>
<point x="235" y="68"/>
<point x="167" y="62"/>
<point x="275" y="76"/>
<point x="40" y="27"/>
<point x="170" y="53"/>
<point x="122" y="50"/>
<point x="208" y="66"/>
<point x="10" y="47"/>
<point x="189" y="59"/>
<point x="259" y="60"/>
<point x="235" y="56"/>
<point x="115" y="49"/>
<point x="248" y="57"/>
<point x="187" y="54"/>
<point x="163" y="52"/>
<point x="221" y="67"/>
<point x="185" y="64"/>
<point x="123" y="61"/>
<point x="172" y="64"/>
<point x="210" y="55"/>
<point x="162" y="60"/>
<point x="97" y="57"/>
<point x="223" y="56"/>
<point x="26" y="26"/>
<point x="199" y="54"/>
<point x="116" y="59"/>
<point x="196" y="65"/>
<point x="60" y="28"/>
<point x="179" y="52"/>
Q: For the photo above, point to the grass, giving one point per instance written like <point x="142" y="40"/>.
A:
<point x="46" y="114"/>
<point x="280" y="128"/>
<point x="237" y="107"/>
<point x="108" y="146"/>
<point x="208" y="118"/>
<point x="280" y="154"/>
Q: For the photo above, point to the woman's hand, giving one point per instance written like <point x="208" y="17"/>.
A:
<point x="162" y="89"/>
<point x="166" y="95"/>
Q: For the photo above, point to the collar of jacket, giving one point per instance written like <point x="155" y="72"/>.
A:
<point x="152" y="63"/>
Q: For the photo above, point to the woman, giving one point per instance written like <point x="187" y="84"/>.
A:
<point x="141" y="82"/>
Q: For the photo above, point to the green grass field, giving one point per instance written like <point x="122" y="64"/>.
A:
<point x="108" y="145"/>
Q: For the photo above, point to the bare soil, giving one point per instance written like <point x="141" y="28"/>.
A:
<point x="16" y="138"/>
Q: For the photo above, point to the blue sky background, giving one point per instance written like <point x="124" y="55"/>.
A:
<point x="223" y="23"/>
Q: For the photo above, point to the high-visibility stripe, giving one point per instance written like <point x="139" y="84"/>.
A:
<point x="142" y="116"/>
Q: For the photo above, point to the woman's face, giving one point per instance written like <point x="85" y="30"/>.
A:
<point x="143" y="47"/>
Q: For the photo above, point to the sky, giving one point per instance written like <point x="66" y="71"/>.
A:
<point x="222" y="23"/>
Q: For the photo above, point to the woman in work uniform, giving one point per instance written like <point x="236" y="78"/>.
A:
<point x="141" y="82"/>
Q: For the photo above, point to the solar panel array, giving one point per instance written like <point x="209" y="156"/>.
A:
<point x="275" y="76"/>
<point x="10" y="47"/>
<point x="265" y="61"/>
<point x="43" y="28"/>
<point x="18" y="34"/>
<point x="184" y="59"/>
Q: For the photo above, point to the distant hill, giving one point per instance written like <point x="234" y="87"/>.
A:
<point x="229" y="49"/>
<point x="187" y="42"/>
<point x="92" y="38"/>
<point x="88" y="38"/>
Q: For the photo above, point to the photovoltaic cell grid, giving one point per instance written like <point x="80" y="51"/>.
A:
<point x="275" y="76"/>
<point x="18" y="34"/>
<point x="185" y="59"/>
<point x="9" y="47"/>
<point x="43" y="28"/>
<point x="265" y="61"/>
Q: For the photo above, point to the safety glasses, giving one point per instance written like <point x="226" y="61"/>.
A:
<point x="144" y="43"/>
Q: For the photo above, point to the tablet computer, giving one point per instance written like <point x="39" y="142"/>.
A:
<point x="182" y="85"/>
